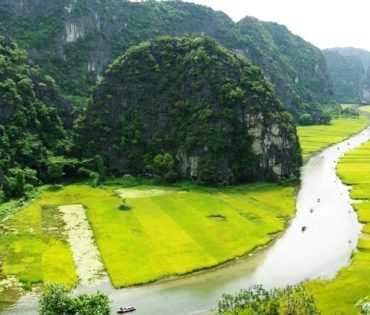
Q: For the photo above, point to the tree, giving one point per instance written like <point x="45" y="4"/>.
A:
<point x="18" y="181"/>
<point x="55" y="168"/>
<point x="55" y="301"/>
<point x="306" y="119"/>
<point x="163" y="166"/>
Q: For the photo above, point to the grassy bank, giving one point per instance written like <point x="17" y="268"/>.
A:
<point x="167" y="231"/>
<point x="352" y="283"/>
<point x="315" y="138"/>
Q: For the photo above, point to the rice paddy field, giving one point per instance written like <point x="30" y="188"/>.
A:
<point x="33" y="251"/>
<point x="365" y="109"/>
<point x="316" y="138"/>
<point x="353" y="283"/>
<point x="167" y="231"/>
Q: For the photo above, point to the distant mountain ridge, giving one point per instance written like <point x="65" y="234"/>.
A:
<point x="350" y="72"/>
<point x="74" y="40"/>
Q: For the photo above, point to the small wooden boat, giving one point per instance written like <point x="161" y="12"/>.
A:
<point x="127" y="309"/>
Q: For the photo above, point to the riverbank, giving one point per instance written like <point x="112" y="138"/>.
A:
<point x="316" y="138"/>
<point x="213" y="232"/>
<point x="353" y="282"/>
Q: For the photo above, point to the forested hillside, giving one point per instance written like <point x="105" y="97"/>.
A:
<point x="350" y="72"/>
<point x="74" y="40"/>
<point x="190" y="108"/>
<point x="32" y="136"/>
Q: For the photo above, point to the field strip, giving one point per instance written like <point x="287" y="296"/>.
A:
<point x="131" y="193"/>
<point x="86" y="255"/>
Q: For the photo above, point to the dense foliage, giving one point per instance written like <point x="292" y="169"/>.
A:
<point x="55" y="301"/>
<point x="296" y="68"/>
<point x="193" y="101"/>
<point x="350" y="72"/>
<point x="258" y="301"/>
<point x="75" y="40"/>
<point x="32" y="136"/>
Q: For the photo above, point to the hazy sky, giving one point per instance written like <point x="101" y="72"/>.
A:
<point x="325" y="23"/>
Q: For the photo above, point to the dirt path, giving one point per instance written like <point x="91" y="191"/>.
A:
<point x="86" y="255"/>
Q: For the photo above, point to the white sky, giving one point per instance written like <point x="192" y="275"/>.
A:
<point x="324" y="23"/>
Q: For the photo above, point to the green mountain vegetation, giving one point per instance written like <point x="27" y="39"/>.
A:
<point x="74" y="41"/>
<point x="350" y="72"/>
<point x="32" y="136"/>
<point x="362" y="54"/>
<point x="189" y="107"/>
<point x="296" y="68"/>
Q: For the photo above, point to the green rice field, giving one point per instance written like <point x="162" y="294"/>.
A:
<point x="168" y="232"/>
<point x="33" y="248"/>
<point x="353" y="283"/>
<point x="315" y="138"/>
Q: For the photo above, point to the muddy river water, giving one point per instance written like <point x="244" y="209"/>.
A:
<point x="318" y="242"/>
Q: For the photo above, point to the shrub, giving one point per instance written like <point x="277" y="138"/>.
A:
<point x="306" y="119"/>
<point x="2" y="196"/>
<point x="292" y="300"/>
<point x="125" y="206"/>
<point x="364" y="305"/>
<point x="55" y="301"/>
<point x="55" y="187"/>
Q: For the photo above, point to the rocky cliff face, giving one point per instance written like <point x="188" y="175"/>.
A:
<point x="349" y="69"/>
<point x="74" y="40"/>
<point x="196" y="100"/>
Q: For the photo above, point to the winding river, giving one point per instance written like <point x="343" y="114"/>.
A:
<point x="330" y="235"/>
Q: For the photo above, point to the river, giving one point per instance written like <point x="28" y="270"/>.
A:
<point x="321" y="250"/>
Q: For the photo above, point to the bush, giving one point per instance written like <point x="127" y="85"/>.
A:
<point x="55" y="187"/>
<point x="2" y="196"/>
<point x="364" y="305"/>
<point x="94" y="179"/>
<point x="306" y="119"/>
<point x="55" y="301"/>
<point x="125" y="206"/>
<point x="257" y="300"/>
<point x="19" y="180"/>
